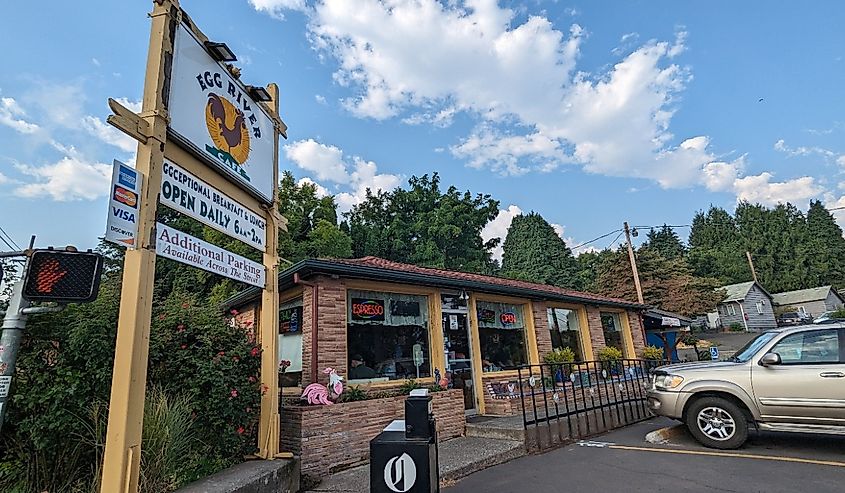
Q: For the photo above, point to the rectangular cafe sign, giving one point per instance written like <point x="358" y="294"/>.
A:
<point x="181" y="247"/>
<point x="124" y="195"/>
<point x="185" y="193"/>
<point x="212" y="116"/>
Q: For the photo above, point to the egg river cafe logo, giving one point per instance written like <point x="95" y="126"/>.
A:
<point x="230" y="120"/>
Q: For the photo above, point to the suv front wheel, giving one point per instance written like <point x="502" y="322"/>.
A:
<point x="717" y="423"/>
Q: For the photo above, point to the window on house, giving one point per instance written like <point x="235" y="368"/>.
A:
<point x="760" y="307"/>
<point x="731" y="310"/>
<point x="501" y="332"/>
<point x="565" y="330"/>
<point x="290" y="342"/>
<point x="387" y="336"/>
<point x="612" y="327"/>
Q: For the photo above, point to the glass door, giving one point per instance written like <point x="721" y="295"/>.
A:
<point x="459" y="357"/>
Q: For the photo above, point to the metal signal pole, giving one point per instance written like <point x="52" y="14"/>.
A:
<point x="10" y="342"/>
<point x="633" y="262"/>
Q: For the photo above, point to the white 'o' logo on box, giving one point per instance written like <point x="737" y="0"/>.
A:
<point x="400" y="473"/>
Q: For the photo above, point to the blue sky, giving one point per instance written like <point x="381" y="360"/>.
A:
<point x="591" y="113"/>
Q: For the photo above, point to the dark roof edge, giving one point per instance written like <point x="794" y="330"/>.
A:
<point x="310" y="267"/>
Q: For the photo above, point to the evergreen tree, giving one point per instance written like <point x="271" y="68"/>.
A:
<point x="667" y="283"/>
<point x="827" y="246"/>
<point x="665" y="242"/>
<point x="716" y="249"/>
<point x="425" y="226"/>
<point x="534" y="252"/>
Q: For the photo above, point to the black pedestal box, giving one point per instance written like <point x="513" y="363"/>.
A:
<point x="402" y="465"/>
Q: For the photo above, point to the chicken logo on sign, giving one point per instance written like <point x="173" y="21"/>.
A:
<point x="227" y="128"/>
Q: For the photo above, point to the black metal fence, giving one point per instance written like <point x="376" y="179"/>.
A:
<point x="567" y="401"/>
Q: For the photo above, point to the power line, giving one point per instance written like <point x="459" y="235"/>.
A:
<point x="4" y="233"/>
<point x="615" y="239"/>
<point x="596" y="239"/>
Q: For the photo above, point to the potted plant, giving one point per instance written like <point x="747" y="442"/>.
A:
<point x="561" y="363"/>
<point x="610" y="356"/>
<point x="653" y="356"/>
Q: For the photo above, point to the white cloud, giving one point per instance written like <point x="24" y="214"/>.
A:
<point x="325" y="161"/>
<point x="12" y="115"/>
<point x="498" y="228"/>
<point x="320" y="99"/>
<point x="276" y="7"/>
<point x="841" y="160"/>
<point x="470" y="57"/>
<point x="70" y="178"/>
<point x="761" y="189"/>
<point x="95" y="62"/>
<point x="503" y="154"/>
<point x="4" y="179"/>
<point x="328" y="164"/>
<point x="109" y="134"/>
<point x="321" y="190"/>
<point x="781" y="146"/>
<point x="720" y="176"/>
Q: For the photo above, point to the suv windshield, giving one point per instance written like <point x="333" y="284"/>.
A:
<point x="754" y="345"/>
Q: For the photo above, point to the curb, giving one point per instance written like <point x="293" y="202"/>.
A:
<point x="666" y="434"/>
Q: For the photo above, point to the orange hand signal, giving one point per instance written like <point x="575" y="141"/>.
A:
<point x="49" y="275"/>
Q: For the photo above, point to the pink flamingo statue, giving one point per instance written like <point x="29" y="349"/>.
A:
<point x="317" y="393"/>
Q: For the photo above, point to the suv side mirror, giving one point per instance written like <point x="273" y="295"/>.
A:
<point x="770" y="359"/>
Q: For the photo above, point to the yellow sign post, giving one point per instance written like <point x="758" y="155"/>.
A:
<point x="122" y="456"/>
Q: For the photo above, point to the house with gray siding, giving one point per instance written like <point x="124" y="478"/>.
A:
<point x="811" y="302"/>
<point x="747" y="304"/>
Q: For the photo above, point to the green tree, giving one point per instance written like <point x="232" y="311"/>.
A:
<point x="423" y="225"/>
<point x="716" y="248"/>
<point x="312" y="223"/>
<point x="825" y="242"/>
<point x="667" y="283"/>
<point x="665" y="242"/>
<point x="534" y="252"/>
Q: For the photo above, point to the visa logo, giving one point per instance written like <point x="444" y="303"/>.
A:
<point x="123" y="214"/>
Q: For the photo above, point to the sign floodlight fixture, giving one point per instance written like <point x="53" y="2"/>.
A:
<point x="258" y="93"/>
<point x="220" y="51"/>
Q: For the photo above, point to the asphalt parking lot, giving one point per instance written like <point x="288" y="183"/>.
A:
<point x="623" y="461"/>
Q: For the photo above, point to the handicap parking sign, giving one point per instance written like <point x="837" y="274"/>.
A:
<point x="714" y="353"/>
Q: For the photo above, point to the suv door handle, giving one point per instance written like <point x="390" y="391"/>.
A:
<point x="832" y="374"/>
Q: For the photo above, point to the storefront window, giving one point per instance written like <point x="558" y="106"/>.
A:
<point x="387" y="336"/>
<point x="501" y="331"/>
<point x="290" y="342"/>
<point x="565" y="330"/>
<point x="612" y="327"/>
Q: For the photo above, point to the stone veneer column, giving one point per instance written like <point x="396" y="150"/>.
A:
<point x="541" y="329"/>
<point x="596" y="330"/>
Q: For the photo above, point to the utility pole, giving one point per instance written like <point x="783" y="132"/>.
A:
<point x="10" y="342"/>
<point x="751" y="264"/>
<point x="633" y="263"/>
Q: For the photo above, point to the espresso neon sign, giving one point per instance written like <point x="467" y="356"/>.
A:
<point x="364" y="309"/>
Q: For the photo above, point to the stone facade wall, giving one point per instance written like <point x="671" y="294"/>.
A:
<point x="331" y="328"/>
<point x="331" y="438"/>
<point x="637" y="331"/>
<point x="541" y="328"/>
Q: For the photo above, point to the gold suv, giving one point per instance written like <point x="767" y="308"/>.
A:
<point x="788" y="379"/>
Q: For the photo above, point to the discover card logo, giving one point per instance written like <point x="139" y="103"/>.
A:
<point x="400" y="473"/>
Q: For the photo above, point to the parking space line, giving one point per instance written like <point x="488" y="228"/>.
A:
<point x="730" y="454"/>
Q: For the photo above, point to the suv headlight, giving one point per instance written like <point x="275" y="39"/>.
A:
<point x="666" y="382"/>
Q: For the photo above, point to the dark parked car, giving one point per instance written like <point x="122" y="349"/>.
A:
<point x="793" y="318"/>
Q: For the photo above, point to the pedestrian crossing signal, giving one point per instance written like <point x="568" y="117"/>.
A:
<point x="63" y="276"/>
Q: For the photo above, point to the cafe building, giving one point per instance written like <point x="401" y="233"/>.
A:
<point x="380" y="323"/>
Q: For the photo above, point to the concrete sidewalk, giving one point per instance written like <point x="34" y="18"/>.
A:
<point x="459" y="457"/>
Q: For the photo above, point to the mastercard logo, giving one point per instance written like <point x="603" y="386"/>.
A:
<point x="125" y="196"/>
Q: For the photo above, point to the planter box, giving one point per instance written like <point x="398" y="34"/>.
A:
<point x="331" y="438"/>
